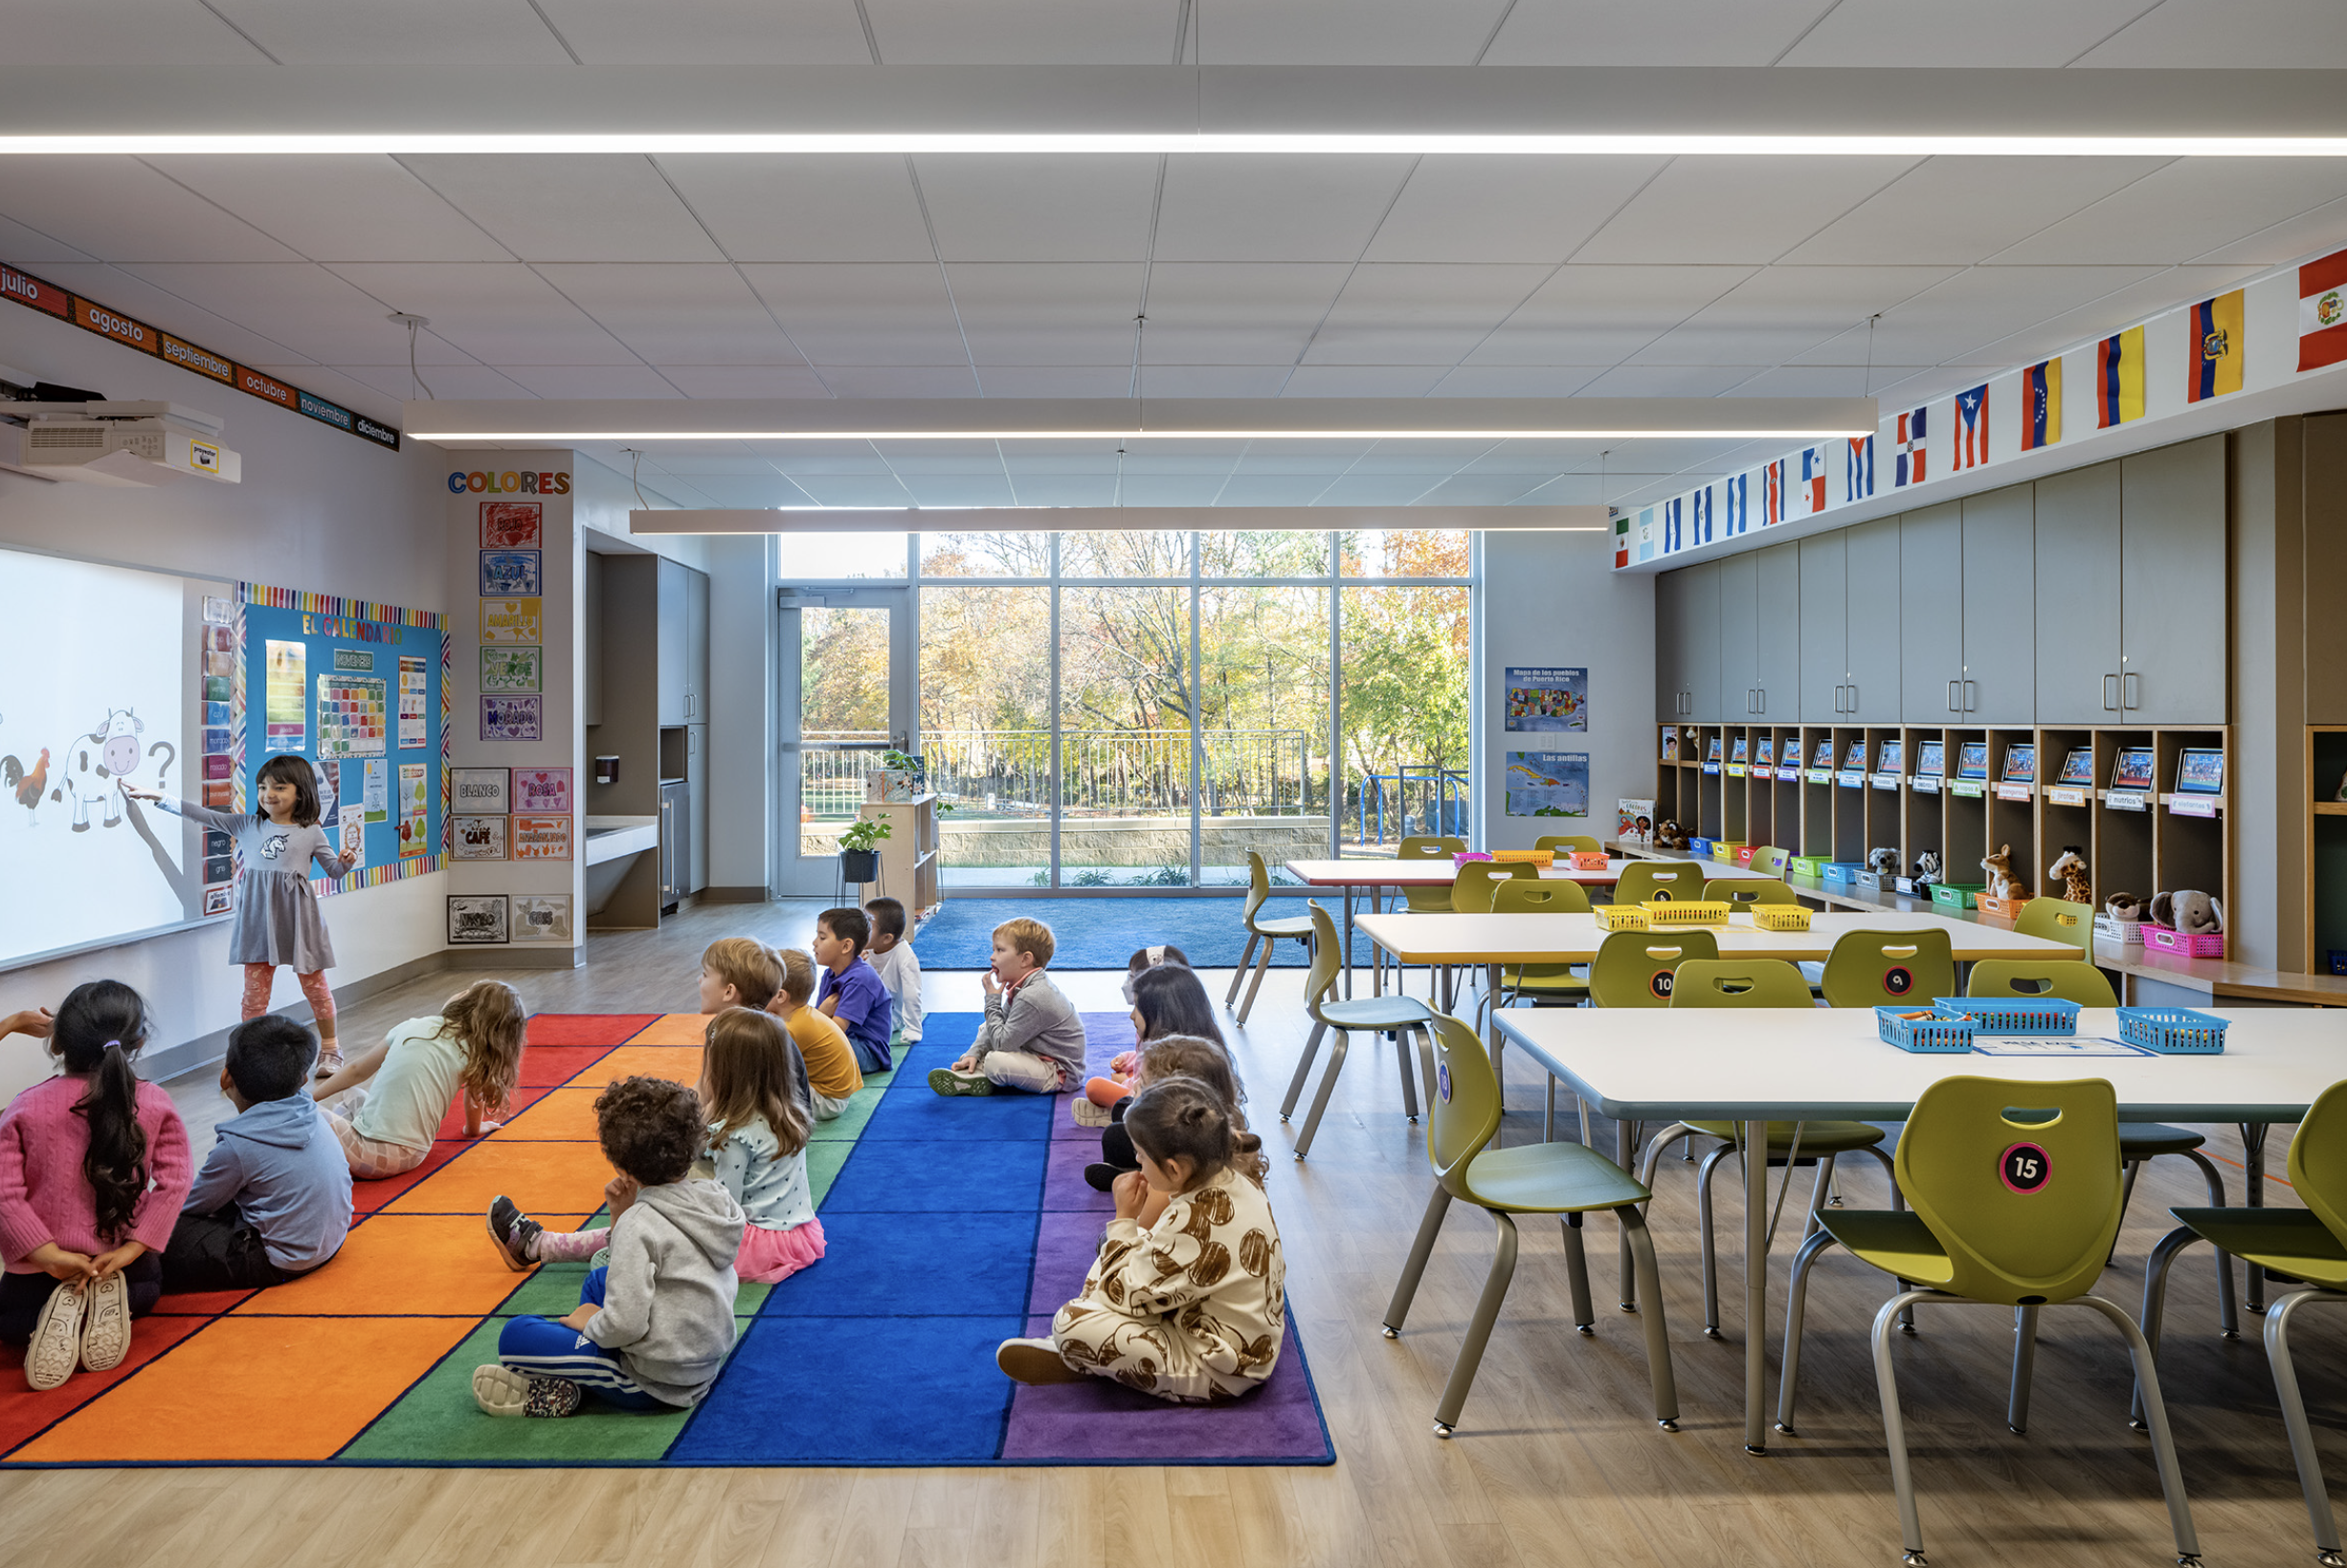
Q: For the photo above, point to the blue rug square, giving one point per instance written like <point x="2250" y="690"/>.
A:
<point x="952" y="1030"/>
<point x="913" y="1110"/>
<point x="966" y="1263"/>
<point x="957" y="1177"/>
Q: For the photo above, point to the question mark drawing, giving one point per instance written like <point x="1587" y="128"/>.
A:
<point x="170" y="754"/>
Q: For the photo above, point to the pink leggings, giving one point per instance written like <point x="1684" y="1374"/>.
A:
<point x="259" y="978"/>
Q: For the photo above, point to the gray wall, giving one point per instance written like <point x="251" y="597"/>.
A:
<point x="743" y="626"/>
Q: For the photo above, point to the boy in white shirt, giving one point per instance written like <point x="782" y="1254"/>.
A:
<point x="900" y="970"/>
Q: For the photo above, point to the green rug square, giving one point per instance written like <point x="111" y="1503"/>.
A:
<point x="824" y="1162"/>
<point x="849" y="1125"/>
<point x="552" y="1292"/>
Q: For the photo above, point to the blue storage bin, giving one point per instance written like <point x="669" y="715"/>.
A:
<point x="1699" y="849"/>
<point x="2173" y="1031"/>
<point x="2014" y="1015"/>
<point x="1924" y="1032"/>
<point x="1841" y="874"/>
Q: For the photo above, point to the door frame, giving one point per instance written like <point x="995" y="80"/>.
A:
<point x="796" y="875"/>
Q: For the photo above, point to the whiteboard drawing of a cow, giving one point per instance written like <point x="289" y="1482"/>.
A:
<point x="96" y="762"/>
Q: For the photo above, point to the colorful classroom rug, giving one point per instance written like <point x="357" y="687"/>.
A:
<point x="1105" y="933"/>
<point x="953" y="1225"/>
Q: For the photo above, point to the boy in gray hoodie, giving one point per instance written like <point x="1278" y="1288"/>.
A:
<point x="273" y="1200"/>
<point x="655" y="1323"/>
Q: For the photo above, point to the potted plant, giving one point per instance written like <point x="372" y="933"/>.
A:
<point x="860" y="849"/>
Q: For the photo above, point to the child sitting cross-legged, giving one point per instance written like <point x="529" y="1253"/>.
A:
<point x="1189" y="1309"/>
<point x="1164" y="1056"/>
<point x="1032" y="1040"/>
<point x="851" y="990"/>
<point x="738" y="971"/>
<point x="757" y="1141"/>
<point x="892" y="958"/>
<point x="833" y="1076"/>
<point x="272" y="1201"/>
<point x="654" y="1324"/>
<point x="385" y="1105"/>
<point x="1166" y="998"/>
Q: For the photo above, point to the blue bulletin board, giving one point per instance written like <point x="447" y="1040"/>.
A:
<point x="359" y="689"/>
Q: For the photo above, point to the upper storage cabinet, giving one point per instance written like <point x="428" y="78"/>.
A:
<point x="1777" y="633"/>
<point x="1874" y="659"/>
<point x="1687" y="635"/>
<point x="682" y="643"/>
<point x="1739" y="689"/>
<point x="2000" y="676"/>
<point x="1824" y="642"/>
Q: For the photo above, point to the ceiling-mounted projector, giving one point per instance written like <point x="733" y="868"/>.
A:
<point x="119" y="443"/>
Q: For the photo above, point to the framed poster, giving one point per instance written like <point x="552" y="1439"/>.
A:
<point x="1931" y="758"/>
<point x="512" y="717"/>
<point x="1890" y="757"/>
<point x="2200" y="770"/>
<point x="2078" y="766"/>
<point x="479" y="838"/>
<point x="540" y="917"/>
<point x="541" y="838"/>
<point x="512" y="525"/>
<point x="1972" y="759"/>
<point x="542" y="791"/>
<point x="1548" y="783"/>
<point x="482" y="791"/>
<point x="2020" y="763"/>
<point x="1546" y="699"/>
<point x="513" y="620"/>
<point x="1854" y="760"/>
<point x="2132" y="768"/>
<point x="514" y="667"/>
<point x="478" y="920"/>
<point x="512" y="574"/>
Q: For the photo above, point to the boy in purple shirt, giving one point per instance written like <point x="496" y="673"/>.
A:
<point x="850" y="990"/>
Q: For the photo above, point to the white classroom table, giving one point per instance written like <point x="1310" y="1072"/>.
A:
<point x="1829" y="1064"/>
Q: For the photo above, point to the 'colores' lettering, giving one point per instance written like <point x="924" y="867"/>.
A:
<point x="483" y="481"/>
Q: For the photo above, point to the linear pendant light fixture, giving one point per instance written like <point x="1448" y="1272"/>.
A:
<point x="788" y="519"/>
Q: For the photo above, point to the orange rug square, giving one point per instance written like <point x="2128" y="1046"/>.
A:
<point x="255" y="1388"/>
<point x="673" y="1029"/>
<point x="558" y="1113"/>
<point x="556" y="1177"/>
<point x="680" y="1062"/>
<point x="426" y="1265"/>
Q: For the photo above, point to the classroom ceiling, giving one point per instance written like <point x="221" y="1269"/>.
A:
<point x="966" y="276"/>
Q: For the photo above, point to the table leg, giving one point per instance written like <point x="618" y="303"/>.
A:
<point x="1498" y="1073"/>
<point x="1348" y="898"/>
<point x="1625" y="1155"/>
<point x="1755" y="1283"/>
<point x="2253" y="1174"/>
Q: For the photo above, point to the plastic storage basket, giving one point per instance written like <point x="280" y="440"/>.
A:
<point x="1662" y="913"/>
<point x="1699" y="849"/>
<point x="2109" y="927"/>
<point x="1622" y="917"/>
<point x="1955" y="895"/>
<point x="1532" y="857"/>
<point x="1590" y="859"/>
<point x="2003" y="908"/>
<point x="2168" y="939"/>
<point x="1924" y="1031"/>
<point x="1807" y="865"/>
<point x="2173" y="1031"/>
<point x="1779" y="917"/>
<point x="2014" y="1015"/>
<point x="1842" y="874"/>
<point x="1725" y="851"/>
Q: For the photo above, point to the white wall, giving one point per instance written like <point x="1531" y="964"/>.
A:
<point x="1553" y="598"/>
<point x="743" y="625"/>
<point x="319" y="510"/>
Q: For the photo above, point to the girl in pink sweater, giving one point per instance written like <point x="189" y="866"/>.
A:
<point x="93" y="1169"/>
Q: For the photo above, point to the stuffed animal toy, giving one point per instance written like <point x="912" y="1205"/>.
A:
<point x="1927" y="868"/>
<point x="1669" y="835"/>
<point x="2188" y="911"/>
<point x="2001" y="882"/>
<point x="2070" y="866"/>
<point x="2124" y="908"/>
<point x="1886" y="861"/>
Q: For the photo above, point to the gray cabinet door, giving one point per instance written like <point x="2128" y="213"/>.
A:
<point x="1825" y="638"/>
<point x="1777" y="606"/>
<point x="2171" y="598"/>
<point x="695" y="647"/>
<point x="1874" y="663"/>
<point x="1999" y="608"/>
<point x="669" y="642"/>
<point x="1701" y="645"/>
<point x="1739" y="678"/>
<point x="1670" y="647"/>
<point x="2076" y="549"/>
<point x="1932" y="614"/>
<point x="697" y="806"/>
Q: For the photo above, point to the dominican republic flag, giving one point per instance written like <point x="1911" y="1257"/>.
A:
<point x="2040" y="405"/>
<point x="1772" y="497"/>
<point x="1971" y="427"/>
<point x="1858" y="466"/>
<point x="2215" y="354"/>
<point x="2322" y="312"/>
<point x="1675" y="526"/>
<point x="1810" y="499"/>
<point x="1908" y="466"/>
<point x="2118" y="378"/>
<point x="1739" y="504"/>
<point x="1645" y="533"/>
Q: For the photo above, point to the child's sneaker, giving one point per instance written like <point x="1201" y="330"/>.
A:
<point x="515" y="1234"/>
<point x="957" y="1081"/>
<point x="55" y="1349"/>
<point x="502" y="1391"/>
<point x="1088" y="1114"/>
<point x="329" y="1062"/>
<point x="1034" y="1361"/>
<point x="105" y="1323"/>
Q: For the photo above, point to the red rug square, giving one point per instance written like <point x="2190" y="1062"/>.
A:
<point x="587" y="1028"/>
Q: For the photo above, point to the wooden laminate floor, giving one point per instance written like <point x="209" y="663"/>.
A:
<point x="1557" y="1460"/>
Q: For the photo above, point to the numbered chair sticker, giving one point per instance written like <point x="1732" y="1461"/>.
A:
<point x="2024" y="1168"/>
<point x="1898" y="980"/>
<point x="1441" y="1081"/>
<point x="1660" y="982"/>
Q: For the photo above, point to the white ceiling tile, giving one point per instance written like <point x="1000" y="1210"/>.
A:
<point x="309" y="311"/>
<point x="1363" y="380"/>
<point x="1021" y="462"/>
<point x="900" y="380"/>
<point x="1061" y="313"/>
<point x="1041" y="209"/>
<point x="2309" y="233"/>
<point x="848" y="490"/>
<point x="1054" y="380"/>
<point x="1324" y="457"/>
<point x="692" y="464"/>
<point x="1347" y="33"/>
<point x="2188" y="210"/>
<point x="1977" y="306"/>
<point x="1737" y="209"/>
<point x="866" y="463"/>
<point x="1780" y="312"/>
<point x="960" y="489"/>
<point x="2119" y="307"/>
<point x="1024" y="31"/>
<point x="1650" y="32"/>
<point x="1667" y="381"/>
<point x="1505" y="208"/>
<point x="1476" y="490"/>
<point x="1273" y="209"/>
<point x="121" y="32"/>
<point x="691" y="314"/>
<point x="745" y="380"/>
<point x="1420" y="313"/>
<point x="593" y="380"/>
<point x="119" y="209"/>
<point x="1212" y="380"/>
<point x="1065" y="490"/>
<point x="155" y="303"/>
<point x="411" y="33"/>
<point x="1266" y="490"/>
<point x="32" y="249"/>
<point x="911" y="458"/>
<point x="1516" y="380"/>
<point x="1851" y="380"/>
<point x="453" y="381"/>
<point x="711" y="32"/>
<point x="2216" y="34"/>
<point x="501" y="313"/>
<point x="893" y="313"/>
<point x="1236" y="312"/>
<point x="772" y="490"/>
<point x="1961" y="210"/>
<point x="1886" y="34"/>
<point x="1374" y="489"/>
<point x="571" y="208"/>
<point x="849" y="207"/>
<point x="336" y="209"/>
<point x="1172" y="490"/>
<point x="1597" y="315"/>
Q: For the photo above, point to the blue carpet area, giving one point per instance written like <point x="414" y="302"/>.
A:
<point x="1105" y="933"/>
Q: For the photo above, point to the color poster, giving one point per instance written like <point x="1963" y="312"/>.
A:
<point x="519" y="668"/>
<point x="541" y="790"/>
<point x="512" y="717"/>
<point x="541" y="838"/>
<point x="542" y="917"/>
<point x="414" y="835"/>
<point x="1548" y="783"/>
<point x="353" y="716"/>
<point x="512" y="525"/>
<point x="512" y="574"/>
<point x="415" y="688"/>
<point x="513" y="620"/>
<point x="285" y="713"/>
<point x="1544" y="699"/>
<point x="479" y="838"/>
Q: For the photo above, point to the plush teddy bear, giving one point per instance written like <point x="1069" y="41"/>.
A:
<point x="2001" y="882"/>
<point x="2070" y="866"/>
<point x="1669" y="835"/>
<point x="1885" y="861"/>
<point x="2124" y="908"/>
<point x="1927" y="868"/>
<point x="2189" y="912"/>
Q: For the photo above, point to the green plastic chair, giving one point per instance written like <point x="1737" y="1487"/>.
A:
<point x="1396" y="1015"/>
<point x="1566" y="1180"/>
<point x="1555" y="985"/>
<point x="2059" y="920"/>
<point x="1420" y="847"/>
<point x="1267" y="932"/>
<point x="1638" y="968"/>
<point x="2015" y="1191"/>
<point x="1741" y="893"/>
<point x="1769" y="859"/>
<point x="1755" y="982"/>
<point x="2076" y="980"/>
<point x="1644" y="880"/>
<point x="1470" y="890"/>
<point x="2308" y="1245"/>
<point x="1567" y="844"/>
<point x="1886" y="968"/>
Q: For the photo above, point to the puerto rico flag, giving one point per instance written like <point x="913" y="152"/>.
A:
<point x="1772" y="497"/>
<point x="2322" y="312"/>
<point x="1907" y="467"/>
<point x="1810" y="499"/>
<point x="2040" y="405"/>
<point x="1971" y="427"/>
<point x="2118" y="379"/>
<point x="1739" y="504"/>
<point x="2214" y="356"/>
<point x="1858" y="466"/>
<point x="1675" y="526"/>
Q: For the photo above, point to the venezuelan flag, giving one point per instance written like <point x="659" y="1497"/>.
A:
<point x="2215" y="351"/>
<point x="2118" y="379"/>
<point x="2040" y="405"/>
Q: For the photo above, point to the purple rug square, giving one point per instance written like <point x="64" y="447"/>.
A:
<point x="1064" y="1183"/>
<point x="1065" y="1129"/>
<point x="1065" y="1247"/>
<point x="1098" y="1422"/>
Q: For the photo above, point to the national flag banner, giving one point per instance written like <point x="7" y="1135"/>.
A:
<point x="1907" y="465"/>
<point x="1645" y="533"/>
<point x="1739" y="504"/>
<point x="1772" y="497"/>
<point x="1675" y="526"/>
<point x="1622" y="541"/>
<point x="2118" y="379"/>
<point x="2214" y="355"/>
<point x="1858" y="469"/>
<point x="2322" y="312"/>
<point x="1971" y="427"/>
<point x="1811" y="498"/>
<point x="2040" y="405"/>
<point x="1701" y="531"/>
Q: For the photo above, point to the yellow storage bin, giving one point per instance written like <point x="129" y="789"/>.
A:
<point x="1543" y="857"/>
<point x="1780" y="917"/>
<point x="1622" y="917"/>
<point x="1662" y="913"/>
<point x="1725" y="852"/>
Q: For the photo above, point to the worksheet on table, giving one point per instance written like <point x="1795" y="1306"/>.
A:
<point x="2053" y="1045"/>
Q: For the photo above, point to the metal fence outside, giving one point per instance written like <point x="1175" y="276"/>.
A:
<point x="1104" y="772"/>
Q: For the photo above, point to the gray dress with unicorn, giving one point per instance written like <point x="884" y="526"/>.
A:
<point x="277" y="915"/>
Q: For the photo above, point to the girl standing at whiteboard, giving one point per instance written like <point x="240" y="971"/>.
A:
<point x="277" y="915"/>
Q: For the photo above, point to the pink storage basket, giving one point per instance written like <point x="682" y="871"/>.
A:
<point x="2168" y="939"/>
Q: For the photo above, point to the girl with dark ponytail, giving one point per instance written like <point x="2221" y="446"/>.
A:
<point x="93" y="1169"/>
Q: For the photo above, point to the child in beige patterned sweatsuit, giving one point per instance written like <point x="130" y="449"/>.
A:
<point x="1191" y="1309"/>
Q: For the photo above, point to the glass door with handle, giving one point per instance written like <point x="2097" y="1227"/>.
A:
<point x="846" y="696"/>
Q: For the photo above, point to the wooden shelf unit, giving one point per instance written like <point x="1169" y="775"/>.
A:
<point x="908" y="868"/>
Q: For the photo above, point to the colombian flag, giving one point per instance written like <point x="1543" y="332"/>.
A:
<point x="2040" y="405"/>
<point x="2322" y="312"/>
<point x="2214" y="355"/>
<point x="2118" y="379"/>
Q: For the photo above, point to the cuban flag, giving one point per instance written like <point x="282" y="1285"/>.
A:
<point x="1645" y="533"/>
<point x="1739" y="504"/>
<point x="1773" y="498"/>
<point x="1675" y="526"/>
<point x="1907" y="467"/>
<point x="1811" y="498"/>
<point x="1971" y="427"/>
<point x="1702" y="515"/>
<point x="1858" y="469"/>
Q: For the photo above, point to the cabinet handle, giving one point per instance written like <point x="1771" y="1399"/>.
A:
<point x="2136" y="699"/>
<point x="1763" y="694"/>
<point x="1971" y="696"/>
<point x="1952" y="701"/>
<point x="2111" y="694"/>
<point x="1853" y="697"/>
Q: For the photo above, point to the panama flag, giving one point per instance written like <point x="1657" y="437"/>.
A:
<point x="1739" y="506"/>
<point x="1772" y="497"/>
<point x="2214" y="354"/>
<point x="2040" y="405"/>
<point x="1858" y="467"/>
<point x="1907" y="467"/>
<point x="1645" y="533"/>
<point x="1971" y="427"/>
<point x="1810" y="499"/>
<point x="1675" y="526"/>
<point x="2322" y="312"/>
<point x="2118" y="379"/>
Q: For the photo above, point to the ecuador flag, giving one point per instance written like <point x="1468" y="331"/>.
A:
<point x="2040" y="405"/>
<point x="2118" y="379"/>
<point x="2214" y="354"/>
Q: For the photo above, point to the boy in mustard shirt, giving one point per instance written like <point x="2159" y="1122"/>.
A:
<point x="832" y="1070"/>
